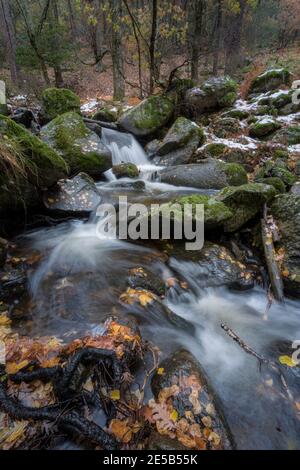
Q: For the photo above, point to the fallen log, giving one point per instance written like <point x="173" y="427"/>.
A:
<point x="272" y="265"/>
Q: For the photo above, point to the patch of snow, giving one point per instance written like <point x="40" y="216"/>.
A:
<point x="294" y="148"/>
<point x="89" y="106"/>
<point x="290" y="118"/>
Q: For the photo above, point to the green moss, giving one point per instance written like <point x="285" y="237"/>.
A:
<point x="270" y="80"/>
<point x="3" y="110"/>
<point x="281" y="154"/>
<point x="215" y="150"/>
<point x="154" y="113"/>
<point x="58" y="101"/>
<point x="237" y="114"/>
<point x="263" y="127"/>
<point x="277" y="169"/>
<point x="277" y="183"/>
<point x="236" y="174"/>
<point x="128" y="170"/>
<point x="49" y="167"/>
<point x="228" y="100"/>
<point x="215" y="212"/>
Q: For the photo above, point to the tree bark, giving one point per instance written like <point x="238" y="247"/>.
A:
<point x="152" y="46"/>
<point x="195" y="28"/>
<point x="10" y="37"/>
<point x="116" y="51"/>
<point x="233" y="53"/>
<point x="57" y="68"/>
<point x="217" y="41"/>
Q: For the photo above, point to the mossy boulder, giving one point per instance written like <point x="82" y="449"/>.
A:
<point x="181" y="141"/>
<point x="277" y="183"/>
<point x="209" y="174"/>
<point x="126" y="170"/>
<point x="226" y="127"/>
<point x="4" y="110"/>
<point x="215" y="212"/>
<point x="42" y="165"/>
<point x="271" y="79"/>
<point x="107" y="114"/>
<point x="216" y="93"/>
<point x="245" y="202"/>
<point x="263" y="127"/>
<point x="286" y="212"/>
<point x="57" y="101"/>
<point x="277" y="169"/>
<point x="240" y="114"/>
<point x="81" y="148"/>
<point x="148" y="116"/>
<point x="288" y="135"/>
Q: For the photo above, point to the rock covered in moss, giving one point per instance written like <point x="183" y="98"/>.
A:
<point x="240" y="155"/>
<point x="286" y="211"/>
<point x="245" y="202"/>
<point x="182" y="139"/>
<point x="277" y="169"/>
<point x="288" y="136"/>
<point x="271" y="79"/>
<point x="209" y="174"/>
<point x="215" y="93"/>
<point x="263" y="127"/>
<point x="274" y="181"/>
<point x="42" y="164"/>
<point x="148" y="116"/>
<point x="57" y="101"/>
<point x="107" y="114"/>
<point x="126" y="170"/>
<point x="215" y="212"/>
<point x="78" y="196"/>
<point x="226" y="127"/>
<point x="237" y="113"/>
<point x="81" y="148"/>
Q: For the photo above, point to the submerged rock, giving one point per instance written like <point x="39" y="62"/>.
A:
<point x="76" y="196"/>
<point x="126" y="170"/>
<point x="286" y="211"/>
<point x="209" y="174"/>
<point x="181" y="141"/>
<point x="181" y="382"/>
<point x="245" y="202"/>
<point x="215" y="93"/>
<point x="148" y="116"/>
<point x="263" y="127"/>
<point x="213" y="266"/>
<point x="80" y="147"/>
<point x="270" y="80"/>
<point x="57" y="101"/>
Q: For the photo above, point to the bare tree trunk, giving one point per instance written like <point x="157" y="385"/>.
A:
<point x="57" y="68"/>
<point x="72" y="19"/>
<point x="10" y="37"/>
<point x="152" y="46"/>
<point x="217" y="42"/>
<point x="233" y="53"/>
<point x="195" y="28"/>
<point x="116" y="51"/>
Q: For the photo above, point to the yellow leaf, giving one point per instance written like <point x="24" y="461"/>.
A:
<point x="174" y="416"/>
<point x="13" y="367"/>
<point x="4" y="320"/>
<point x="287" y="361"/>
<point x="115" y="395"/>
<point x="161" y="371"/>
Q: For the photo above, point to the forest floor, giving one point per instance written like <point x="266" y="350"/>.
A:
<point x="92" y="82"/>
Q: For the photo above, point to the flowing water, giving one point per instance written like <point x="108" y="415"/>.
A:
<point x="80" y="277"/>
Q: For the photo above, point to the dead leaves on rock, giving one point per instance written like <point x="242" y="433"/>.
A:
<point x="141" y="296"/>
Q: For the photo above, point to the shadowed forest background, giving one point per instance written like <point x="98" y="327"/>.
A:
<point x="121" y="47"/>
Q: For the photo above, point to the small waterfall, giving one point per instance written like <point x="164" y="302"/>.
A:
<point x="124" y="148"/>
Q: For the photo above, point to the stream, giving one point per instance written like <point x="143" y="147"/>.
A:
<point x="79" y="279"/>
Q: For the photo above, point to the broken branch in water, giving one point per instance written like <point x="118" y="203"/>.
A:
<point x="272" y="265"/>
<point x="243" y="345"/>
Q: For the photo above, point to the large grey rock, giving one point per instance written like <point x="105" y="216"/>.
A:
<point x="245" y="202"/>
<point x="76" y="196"/>
<point x="182" y="139"/>
<point x="209" y="174"/>
<point x="148" y="116"/>
<point x="286" y="211"/>
<point x="271" y="79"/>
<point x="82" y="149"/>
<point x="215" y="93"/>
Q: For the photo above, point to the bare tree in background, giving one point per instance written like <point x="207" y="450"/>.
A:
<point x="196" y="10"/>
<point x="233" y="50"/>
<point x="217" y="36"/>
<point x="152" y="46"/>
<point x="116" y="51"/>
<point x="8" y="29"/>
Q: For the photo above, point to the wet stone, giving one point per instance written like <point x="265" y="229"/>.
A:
<point x="76" y="196"/>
